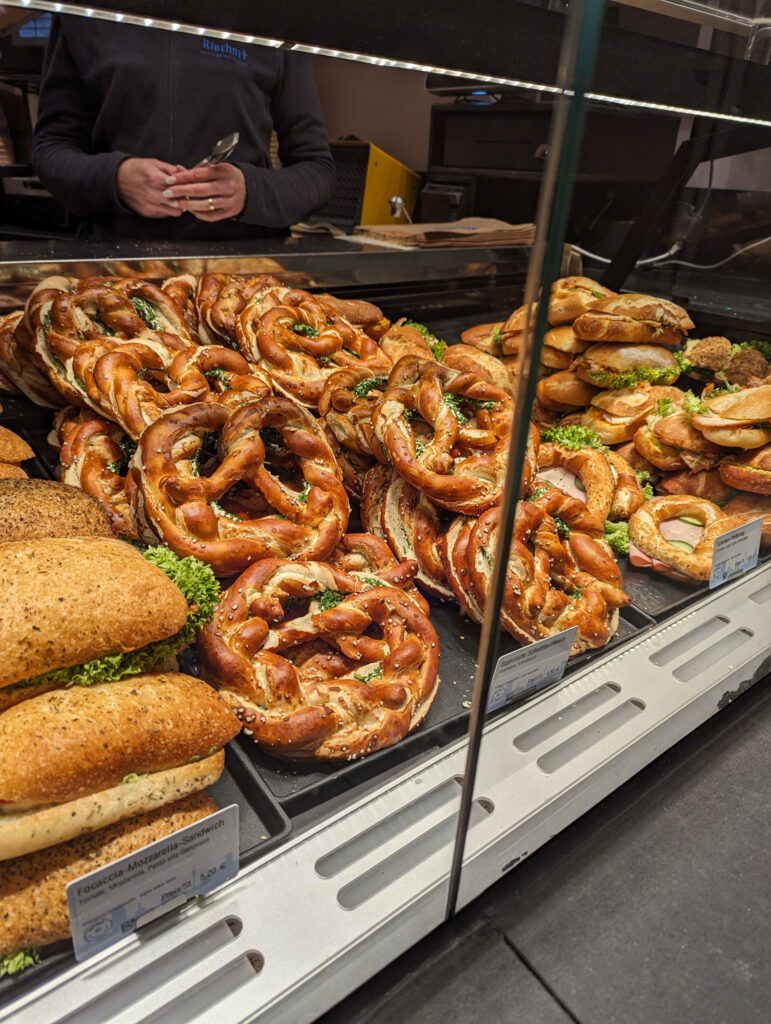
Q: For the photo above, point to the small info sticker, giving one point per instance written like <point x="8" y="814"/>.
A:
<point x="530" y="668"/>
<point x="110" y="903"/>
<point x="735" y="552"/>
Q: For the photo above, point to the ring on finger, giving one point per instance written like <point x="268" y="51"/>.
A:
<point x="211" y="204"/>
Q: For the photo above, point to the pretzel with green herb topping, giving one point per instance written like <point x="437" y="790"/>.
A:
<point x="317" y="663"/>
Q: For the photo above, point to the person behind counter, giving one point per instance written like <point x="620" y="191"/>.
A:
<point x="125" y="110"/>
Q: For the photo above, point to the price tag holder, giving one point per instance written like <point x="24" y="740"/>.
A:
<point x="735" y="552"/>
<point x="110" y="903"/>
<point x="530" y="668"/>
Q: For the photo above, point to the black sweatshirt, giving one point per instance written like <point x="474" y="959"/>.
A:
<point x="112" y="91"/>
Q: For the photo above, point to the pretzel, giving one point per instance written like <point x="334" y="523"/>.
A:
<point x="229" y="377"/>
<point x="154" y="306"/>
<point x="301" y="343"/>
<point x="628" y="495"/>
<point x="467" y="359"/>
<point x="94" y="456"/>
<point x="370" y="559"/>
<point x="404" y="339"/>
<point x="353" y="467"/>
<point x="182" y="289"/>
<point x="337" y="681"/>
<point x="592" y="469"/>
<point x="645" y="532"/>
<point x="346" y="405"/>
<point x="462" y="466"/>
<point x="131" y="384"/>
<point x="220" y="298"/>
<point x="545" y="590"/>
<point x="485" y="337"/>
<point x="455" y="548"/>
<point x="662" y="456"/>
<point x="412" y="525"/>
<point x="183" y="507"/>
<point x="364" y="315"/>
<point x="17" y="365"/>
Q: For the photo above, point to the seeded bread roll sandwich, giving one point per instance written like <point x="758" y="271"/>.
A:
<point x="84" y="610"/>
<point x="76" y="760"/>
<point x="33" y="889"/>
<point x="44" y="508"/>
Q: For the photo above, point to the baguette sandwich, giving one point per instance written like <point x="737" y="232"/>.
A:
<point x="89" y="610"/>
<point x="33" y="889"/>
<point x="77" y="760"/>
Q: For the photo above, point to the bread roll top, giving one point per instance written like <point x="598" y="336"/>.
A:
<point x="44" y="508"/>
<point x="33" y="889"/>
<point x="68" y="601"/>
<point x="68" y="743"/>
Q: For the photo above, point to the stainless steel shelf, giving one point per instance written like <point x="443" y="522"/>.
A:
<point x="299" y="930"/>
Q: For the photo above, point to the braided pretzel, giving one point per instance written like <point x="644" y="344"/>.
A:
<point x="462" y="467"/>
<point x="346" y="405"/>
<point x="116" y="386"/>
<point x="92" y="455"/>
<point x="353" y="467"/>
<point x="412" y="526"/>
<point x="226" y="373"/>
<point x="402" y="339"/>
<point x="534" y="607"/>
<point x="645" y="532"/>
<point x="154" y="306"/>
<point x="17" y="365"/>
<point x="592" y="469"/>
<point x="220" y="298"/>
<point x="320" y="686"/>
<point x="302" y="342"/>
<point x="369" y="558"/>
<point x="455" y="549"/>
<point x="183" y="508"/>
<point x="182" y="289"/>
<point x="363" y="315"/>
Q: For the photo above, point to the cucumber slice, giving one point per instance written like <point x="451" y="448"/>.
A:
<point x="577" y="482"/>
<point x="682" y="544"/>
<point x="691" y="520"/>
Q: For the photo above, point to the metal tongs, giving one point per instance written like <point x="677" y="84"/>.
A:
<point x="221" y="151"/>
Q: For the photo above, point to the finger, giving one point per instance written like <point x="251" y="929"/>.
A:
<point x="165" y="168"/>
<point x="195" y="175"/>
<point x="196" y="190"/>
<point x="209" y="205"/>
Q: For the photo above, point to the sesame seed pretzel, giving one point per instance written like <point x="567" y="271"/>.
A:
<point x="230" y="378"/>
<point x="302" y="342"/>
<point x="545" y="591"/>
<point x="182" y="503"/>
<point x="155" y="306"/>
<point x="346" y="677"/>
<point x="462" y="466"/>
<point x="346" y="405"/>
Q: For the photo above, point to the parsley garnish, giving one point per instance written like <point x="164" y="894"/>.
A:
<point x="147" y="313"/>
<point x="307" y="330"/>
<point x="454" y="403"/>
<point x="329" y="599"/>
<point x="120" y="466"/>
<point x="363" y="388"/>
<point x="376" y="672"/>
<point x="562" y="527"/>
<point x="303" y="495"/>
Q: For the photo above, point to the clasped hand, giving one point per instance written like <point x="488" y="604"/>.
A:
<point x="156" y="189"/>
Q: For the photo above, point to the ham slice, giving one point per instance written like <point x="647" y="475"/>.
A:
<point x="671" y="529"/>
<point x="564" y="479"/>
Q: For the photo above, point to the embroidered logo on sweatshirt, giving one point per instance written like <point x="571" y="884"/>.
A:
<point x="210" y="48"/>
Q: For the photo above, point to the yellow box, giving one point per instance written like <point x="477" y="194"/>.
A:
<point x="367" y="177"/>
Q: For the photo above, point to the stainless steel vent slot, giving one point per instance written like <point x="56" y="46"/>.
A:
<point x="564" y="718"/>
<point x="707" y="659"/>
<point x="199" y="1002"/>
<point x="155" y="975"/>
<point x="595" y="733"/>
<point x="355" y="849"/>
<point x="689" y="640"/>
<point x="392" y="868"/>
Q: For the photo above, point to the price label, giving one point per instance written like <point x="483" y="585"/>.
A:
<point x="111" y="902"/>
<point x="530" y="668"/>
<point x="735" y="552"/>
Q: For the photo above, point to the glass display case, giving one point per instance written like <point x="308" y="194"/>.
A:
<point x="347" y="863"/>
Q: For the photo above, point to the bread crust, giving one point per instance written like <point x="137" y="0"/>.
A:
<point x="13" y="448"/>
<point x="69" y="601"/>
<point x="44" y="508"/>
<point x="33" y="898"/>
<point x="21" y="834"/>
<point x="70" y="743"/>
<point x="634" y="319"/>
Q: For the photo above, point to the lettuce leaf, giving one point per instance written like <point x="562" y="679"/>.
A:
<point x="15" y="963"/>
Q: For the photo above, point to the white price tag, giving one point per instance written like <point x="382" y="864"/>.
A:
<point x="111" y="902"/>
<point x="530" y="668"/>
<point x="735" y="552"/>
